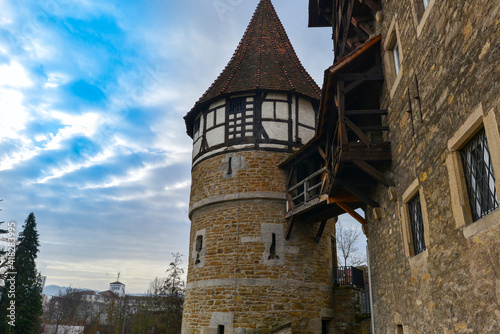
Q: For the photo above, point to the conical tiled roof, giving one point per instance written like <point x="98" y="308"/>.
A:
<point x="264" y="59"/>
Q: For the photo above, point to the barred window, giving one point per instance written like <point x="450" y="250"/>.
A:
<point x="479" y="176"/>
<point x="397" y="62"/>
<point x="417" y="225"/>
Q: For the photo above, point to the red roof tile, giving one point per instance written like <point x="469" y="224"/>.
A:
<point x="264" y="59"/>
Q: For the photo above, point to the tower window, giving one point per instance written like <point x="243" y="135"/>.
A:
<point x="199" y="247"/>
<point x="417" y="225"/>
<point x="272" y="250"/>
<point x="479" y="177"/>
<point x="240" y="120"/>
<point x="229" y="166"/>
<point x="220" y="329"/>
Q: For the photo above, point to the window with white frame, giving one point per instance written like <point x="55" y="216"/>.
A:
<point x="479" y="176"/>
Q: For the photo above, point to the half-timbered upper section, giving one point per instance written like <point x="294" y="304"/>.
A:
<point x="334" y="172"/>
<point x="352" y="21"/>
<point x="263" y="99"/>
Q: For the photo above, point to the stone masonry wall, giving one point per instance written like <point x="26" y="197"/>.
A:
<point x="239" y="284"/>
<point x="454" y="286"/>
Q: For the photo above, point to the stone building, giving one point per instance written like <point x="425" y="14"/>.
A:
<point x="245" y="274"/>
<point x="408" y="131"/>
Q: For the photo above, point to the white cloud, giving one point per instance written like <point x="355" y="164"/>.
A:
<point x="14" y="75"/>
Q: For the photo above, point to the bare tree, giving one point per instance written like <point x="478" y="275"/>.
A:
<point x="346" y="245"/>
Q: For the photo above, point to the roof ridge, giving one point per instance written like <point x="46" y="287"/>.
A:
<point x="293" y="55"/>
<point x="233" y="57"/>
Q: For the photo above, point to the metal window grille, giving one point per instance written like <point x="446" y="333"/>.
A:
<point x="397" y="62"/>
<point x="417" y="225"/>
<point x="479" y="176"/>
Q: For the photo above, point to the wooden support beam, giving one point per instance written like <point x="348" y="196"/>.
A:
<point x="373" y="172"/>
<point x="322" y="153"/>
<point x="357" y="131"/>
<point x="362" y="78"/>
<point x="366" y="112"/>
<point x="320" y="231"/>
<point x="349" y="186"/>
<point x="352" y="213"/>
<point x="290" y="227"/>
<point x="375" y="128"/>
<point x="379" y="76"/>
<point x="371" y="4"/>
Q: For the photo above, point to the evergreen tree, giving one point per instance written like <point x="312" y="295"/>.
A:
<point x="27" y="298"/>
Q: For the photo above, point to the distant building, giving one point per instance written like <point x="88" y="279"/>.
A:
<point x="118" y="288"/>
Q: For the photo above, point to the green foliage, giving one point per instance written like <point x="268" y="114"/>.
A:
<point x="27" y="296"/>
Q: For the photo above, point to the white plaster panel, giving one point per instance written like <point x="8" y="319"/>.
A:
<point x="268" y="110"/>
<point x="277" y="96"/>
<point x="282" y="110"/>
<point x="276" y="130"/>
<point x="217" y="103"/>
<point x="305" y="134"/>
<point x="210" y="119"/>
<point x="196" y="147"/>
<point x="306" y="113"/>
<point x="215" y="136"/>
<point x="221" y="115"/>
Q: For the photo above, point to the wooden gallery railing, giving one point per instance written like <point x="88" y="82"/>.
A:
<point x="305" y="191"/>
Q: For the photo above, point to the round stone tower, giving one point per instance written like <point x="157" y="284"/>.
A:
<point x="243" y="274"/>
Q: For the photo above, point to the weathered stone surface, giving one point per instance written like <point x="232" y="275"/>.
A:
<point x="456" y="60"/>
<point x="237" y="276"/>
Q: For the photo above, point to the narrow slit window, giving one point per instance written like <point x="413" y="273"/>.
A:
<point x="230" y="166"/>
<point x="199" y="247"/>
<point x="479" y="176"/>
<point x="399" y="329"/>
<point x="417" y="225"/>
<point x="272" y="250"/>
<point x="220" y="329"/>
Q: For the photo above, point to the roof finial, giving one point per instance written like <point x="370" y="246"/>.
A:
<point x="118" y="279"/>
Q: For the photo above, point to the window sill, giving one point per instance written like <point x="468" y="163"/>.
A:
<point x="396" y="83"/>
<point x="419" y="261"/>
<point x="482" y="224"/>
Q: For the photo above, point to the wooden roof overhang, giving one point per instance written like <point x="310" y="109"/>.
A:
<point x="352" y="21"/>
<point x="350" y="142"/>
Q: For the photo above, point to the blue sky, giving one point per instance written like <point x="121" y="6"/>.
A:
<point x="92" y="139"/>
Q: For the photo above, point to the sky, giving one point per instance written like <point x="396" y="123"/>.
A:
<point x="92" y="136"/>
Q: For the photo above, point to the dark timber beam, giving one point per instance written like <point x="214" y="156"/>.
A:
<point x="363" y="77"/>
<point x="357" y="131"/>
<point x="352" y="213"/>
<point x="370" y="170"/>
<point x="371" y="4"/>
<point x="320" y="231"/>
<point x="290" y="227"/>
<point x="358" y="193"/>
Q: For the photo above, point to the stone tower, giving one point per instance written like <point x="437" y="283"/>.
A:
<point x="244" y="275"/>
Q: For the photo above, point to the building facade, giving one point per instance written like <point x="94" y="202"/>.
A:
<point x="245" y="274"/>
<point x="408" y="123"/>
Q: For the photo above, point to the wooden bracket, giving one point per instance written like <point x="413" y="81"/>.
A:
<point x="352" y="213"/>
